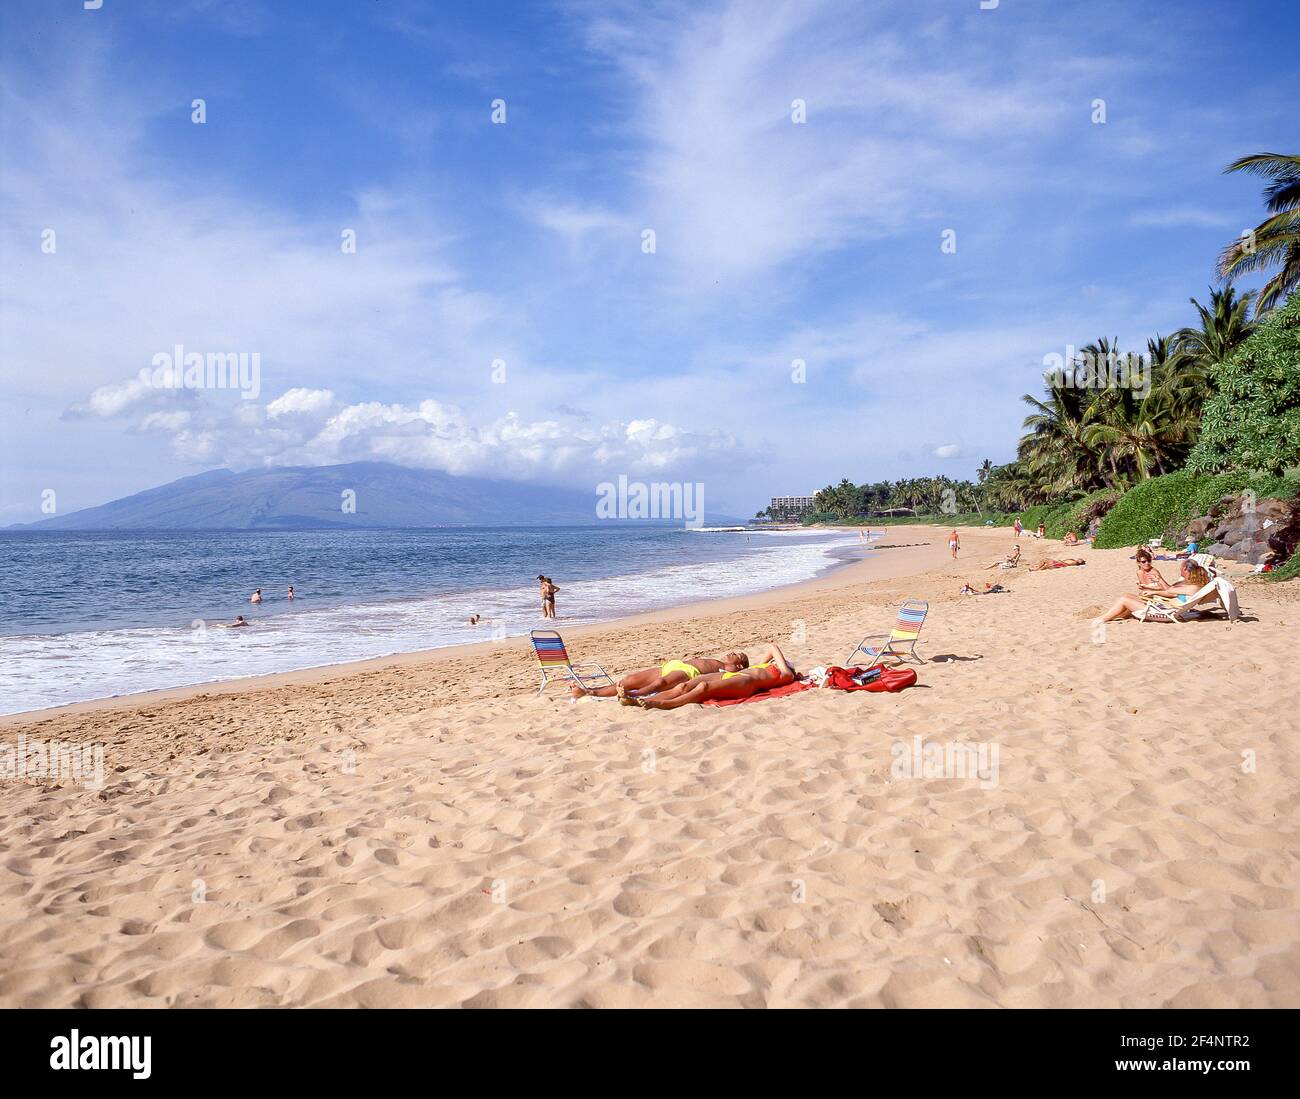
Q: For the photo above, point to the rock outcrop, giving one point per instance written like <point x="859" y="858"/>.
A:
<point x="1242" y="528"/>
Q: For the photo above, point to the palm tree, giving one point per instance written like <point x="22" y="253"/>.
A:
<point x="1276" y="240"/>
<point x="1054" y="453"/>
<point x="1225" y="325"/>
<point x="986" y="467"/>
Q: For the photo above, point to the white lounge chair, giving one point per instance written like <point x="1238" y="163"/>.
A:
<point x="1217" y="593"/>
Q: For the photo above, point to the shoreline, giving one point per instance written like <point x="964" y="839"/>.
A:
<point x="839" y="572"/>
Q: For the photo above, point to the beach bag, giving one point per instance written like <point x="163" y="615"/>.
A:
<point x="869" y="679"/>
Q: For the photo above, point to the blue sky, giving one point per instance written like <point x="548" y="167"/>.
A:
<point x="521" y="243"/>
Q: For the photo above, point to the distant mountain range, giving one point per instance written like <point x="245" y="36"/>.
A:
<point x="313" y="497"/>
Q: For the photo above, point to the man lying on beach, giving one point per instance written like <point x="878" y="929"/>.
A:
<point x="671" y="673"/>
<point x="772" y="671"/>
<point x="989" y="589"/>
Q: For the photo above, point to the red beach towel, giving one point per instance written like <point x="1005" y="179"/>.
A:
<point x="776" y="692"/>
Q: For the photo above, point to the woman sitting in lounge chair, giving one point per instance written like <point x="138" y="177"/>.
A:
<point x="1007" y="562"/>
<point x="1194" y="578"/>
<point x="1149" y="577"/>
<point x="772" y="671"/>
<point x="671" y="673"/>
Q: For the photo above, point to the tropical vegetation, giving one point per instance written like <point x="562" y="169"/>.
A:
<point x="1139" y="441"/>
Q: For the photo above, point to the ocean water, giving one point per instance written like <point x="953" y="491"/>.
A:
<point x="92" y="615"/>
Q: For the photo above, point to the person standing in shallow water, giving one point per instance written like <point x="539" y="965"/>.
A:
<point x="546" y="590"/>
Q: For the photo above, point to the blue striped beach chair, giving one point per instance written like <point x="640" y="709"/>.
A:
<point x="553" y="659"/>
<point x="900" y="645"/>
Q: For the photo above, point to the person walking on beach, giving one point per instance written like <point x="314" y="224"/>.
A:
<point x="256" y="597"/>
<point x="954" y="544"/>
<point x="1018" y="528"/>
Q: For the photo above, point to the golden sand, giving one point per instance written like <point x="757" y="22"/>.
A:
<point x="424" y="830"/>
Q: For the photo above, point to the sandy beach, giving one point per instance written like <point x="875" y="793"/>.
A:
<point x="426" y="831"/>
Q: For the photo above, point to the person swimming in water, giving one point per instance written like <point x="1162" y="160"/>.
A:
<point x="290" y="593"/>
<point x="256" y="597"/>
<point x="239" y="621"/>
<point x="671" y="673"/>
<point x="772" y="671"/>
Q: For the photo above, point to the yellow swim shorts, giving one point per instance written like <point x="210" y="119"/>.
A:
<point x="679" y="666"/>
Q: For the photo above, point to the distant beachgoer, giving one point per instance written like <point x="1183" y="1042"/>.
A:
<point x="1016" y="526"/>
<point x="256" y="597"/>
<point x="473" y="619"/>
<point x="772" y="671"/>
<point x="1042" y="530"/>
<point x="290" y="593"/>
<point x="1071" y="539"/>
<point x="1063" y="564"/>
<point x="1007" y="562"/>
<point x="239" y="621"/>
<point x="989" y="589"/>
<point x="548" y="597"/>
<point x="954" y="544"/>
<point x="671" y="673"/>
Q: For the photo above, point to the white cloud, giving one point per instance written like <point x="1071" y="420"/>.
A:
<point x="310" y="427"/>
<point x="300" y="400"/>
<point x="734" y="187"/>
<point x="948" y="450"/>
<point x="1180" y="217"/>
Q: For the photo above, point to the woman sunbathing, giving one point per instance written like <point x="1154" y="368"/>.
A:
<point x="1194" y="578"/>
<point x="671" y="673"/>
<point x="772" y="671"/>
<point x="1050" y="564"/>
<point x="1071" y="539"/>
<point x="1007" y="562"/>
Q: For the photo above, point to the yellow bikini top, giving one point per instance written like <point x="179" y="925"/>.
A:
<point x="765" y="664"/>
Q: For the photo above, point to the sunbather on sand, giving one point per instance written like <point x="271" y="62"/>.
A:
<point x="1007" y="562"/>
<point x="671" y="673"/>
<point x="772" y="671"/>
<point x="1062" y="564"/>
<point x="1071" y="539"/>
<point x="1194" y="578"/>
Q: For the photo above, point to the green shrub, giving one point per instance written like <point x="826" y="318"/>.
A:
<point x="1162" y="506"/>
<point x="1253" y="419"/>
<point x="1289" y="571"/>
<point x="1081" y="513"/>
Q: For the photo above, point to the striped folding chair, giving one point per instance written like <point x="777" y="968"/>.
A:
<point x="553" y="658"/>
<point x="900" y="645"/>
